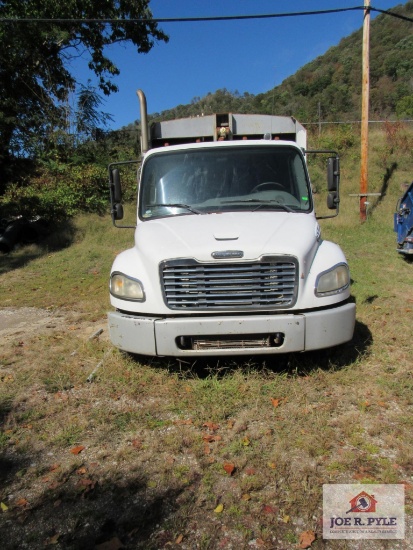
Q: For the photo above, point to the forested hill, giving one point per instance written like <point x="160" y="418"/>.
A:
<point x="331" y="84"/>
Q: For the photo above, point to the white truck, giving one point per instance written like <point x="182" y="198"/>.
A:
<point x="228" y="257"/>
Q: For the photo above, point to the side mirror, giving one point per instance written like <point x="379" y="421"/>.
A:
<point x="115" y="185"/>
<point x="332" y="200"/>
<point x="333" y="180"/>
<point x="115" y="192"/>
<point x="117" y="212"/>
<point x="333" y="174"/>
<point x="115" y="195"/>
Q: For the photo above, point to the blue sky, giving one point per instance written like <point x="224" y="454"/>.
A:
<point x="248" y="56"/>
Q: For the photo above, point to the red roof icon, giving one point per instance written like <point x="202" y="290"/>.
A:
<point x="363" y="502"/>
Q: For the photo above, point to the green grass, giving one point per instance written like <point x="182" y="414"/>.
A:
<point x="157" y="432"/>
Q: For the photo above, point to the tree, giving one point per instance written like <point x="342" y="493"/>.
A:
<point x="38" y="40"/>
<point x="88" y="116"/>
<point x="404" y="107"/>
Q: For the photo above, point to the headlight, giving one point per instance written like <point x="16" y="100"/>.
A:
<point x="126" y="288"/>
<point x="333" y="281"/>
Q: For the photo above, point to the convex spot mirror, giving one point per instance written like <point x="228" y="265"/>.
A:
<point x="333" y="181"/>
<point x="333" y="174"/>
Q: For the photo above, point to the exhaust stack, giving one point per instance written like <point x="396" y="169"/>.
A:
<point x="144" y="121"/>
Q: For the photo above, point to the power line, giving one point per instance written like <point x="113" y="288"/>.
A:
<point x="393" y="14"/>
<point x="199" y="19"/>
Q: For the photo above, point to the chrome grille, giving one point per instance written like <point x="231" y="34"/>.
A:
<point x="268" y="284"/>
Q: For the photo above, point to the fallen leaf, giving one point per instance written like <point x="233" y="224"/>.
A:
<point x="229" y="467"/>
<point x="306" y="539"/>
<point x="211" y="426"/>
<point x="86" y="483"/>
<point x="22" y="502"/>
<point x="246" y="441"/>
<point x="286" y="519"/>
<point x="52" y="540"/>
<point x="81" y="471"/>
<point x="272" y="465"/>
<point x="267" y="509"/>
<point x="408" y="486"/>
<point x="210" y="438"/>
<point x="179" y="539"/>
<point x="77" y="450"/>
<point x="362" y="473"/>
<point x="4" y="507"/>
<point x="275" y="402"/>
<point x="246" y="496"/>
<point x="219" y="508"/>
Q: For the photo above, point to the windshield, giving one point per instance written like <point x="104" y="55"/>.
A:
<point x="220" y="179"/>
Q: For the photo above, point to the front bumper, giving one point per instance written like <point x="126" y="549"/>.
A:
<point x="234" y="334"/>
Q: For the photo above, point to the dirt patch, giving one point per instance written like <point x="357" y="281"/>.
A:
<point x="27" y="321"/>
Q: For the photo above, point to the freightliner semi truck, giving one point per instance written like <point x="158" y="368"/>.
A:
<point x="228" y="257"/>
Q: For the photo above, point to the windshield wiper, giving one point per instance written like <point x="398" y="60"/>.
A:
<point x="178" y="205"/>
<point x="261" y="203"/>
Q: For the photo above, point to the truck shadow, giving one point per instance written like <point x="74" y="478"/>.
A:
<point x="295" y="364"/>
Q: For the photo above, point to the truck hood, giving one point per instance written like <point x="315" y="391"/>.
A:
<point x="254" y="234"/>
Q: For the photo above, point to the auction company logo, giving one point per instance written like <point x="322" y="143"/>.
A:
<point x="374" y="512"/>
<point x="363" y="503"/>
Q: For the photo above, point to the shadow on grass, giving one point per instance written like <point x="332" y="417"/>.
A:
<point x="300" y="364"/>
<point x="88" y="513"/>
<point x="408" y="258"/>
<point x="385" y="185"/>
<point x="55" y="237"/>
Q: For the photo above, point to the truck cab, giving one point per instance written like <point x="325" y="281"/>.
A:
<point x="228" y="257"/>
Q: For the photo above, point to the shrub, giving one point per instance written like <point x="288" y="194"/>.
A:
<point x="61" y="192"/>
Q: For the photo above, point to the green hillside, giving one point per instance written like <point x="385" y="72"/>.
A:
<point x="332" y="82"/>
<point x="66" y="175"/>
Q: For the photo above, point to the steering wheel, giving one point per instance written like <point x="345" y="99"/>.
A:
<point x="267" y="185"/>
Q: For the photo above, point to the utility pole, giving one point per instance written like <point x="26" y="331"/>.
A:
<point x="365" y="111"/>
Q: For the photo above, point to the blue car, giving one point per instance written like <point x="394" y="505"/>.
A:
<point x="403" y="222"/>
